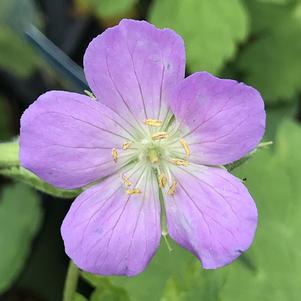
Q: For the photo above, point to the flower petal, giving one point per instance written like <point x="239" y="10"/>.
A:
<point x="109" y="232"/>
<point x="211" y="214"/>
<point x="133" y="66"/>
<point x="225" y="119"/>
<point x="67" y="139"/>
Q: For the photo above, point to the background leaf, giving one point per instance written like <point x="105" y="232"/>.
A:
<point x="20" y="218"/>
<point x="274" y="181"/>
<point x="271" y="61"/>
<point x="79" y="297"/>
<point x="150" y="285"/>
<point x="195" y="284"/>
<point x="106" y="8"/>
<point x="211" y="29"/>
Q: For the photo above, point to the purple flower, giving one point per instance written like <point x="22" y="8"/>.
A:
<point x="149" y="129"/>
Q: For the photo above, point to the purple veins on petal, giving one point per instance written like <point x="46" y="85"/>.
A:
<point x="109" y="232"/>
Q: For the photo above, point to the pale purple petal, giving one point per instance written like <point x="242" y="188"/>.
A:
<point x="132" y="68"/>
<point x="224" y="119"/>
<point x="108" y="232"/>
<point x="211" y="214"/>
<point x="67" y="139"/>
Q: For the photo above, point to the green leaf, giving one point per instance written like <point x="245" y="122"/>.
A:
<point x="274" y="182"/>
<point x="107" y="8"/>
<point x="79" y="297"/>
<point x="149" y="285"/>
<point x="272" y="61"/>
<point x="195" y="284"/>
<point x="275" y="116"/>
<point x="20" y="218"/>
<point x="109" y="292"/>
<point x="104" y="289"/>
<point x="16" y="56"/>
<point x="211" y="29"/>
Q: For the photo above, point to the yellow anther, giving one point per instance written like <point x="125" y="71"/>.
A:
<point x="179" y="162"/>
<point x="162" y="180"/>
<point x="185" y="146"/>
<point x="126" y="180"/>
<point x="172" y="188"/>
<point x="133" y="191"/>
<point x="126" y="144"/>
<point x="115" y="154"/>
<point x="153" y="122"/>
<point x="160" y="136"/>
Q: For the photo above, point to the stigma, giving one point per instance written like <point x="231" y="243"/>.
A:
<point x="158" y="150"/>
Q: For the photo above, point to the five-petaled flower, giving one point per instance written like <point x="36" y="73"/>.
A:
<point x="149" y="132"/>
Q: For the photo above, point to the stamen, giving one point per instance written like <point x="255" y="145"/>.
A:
<point x="114" y="154"/>
<point x="133" y="191"/>
<point x="126" y="145"/>
<point x="185" y="146"/>
<point x="172" y="188"/>
<point x="179" y="162"/>
<point x="160" y="136"/>
<point x="126" y="180"/>
<point x="153" y="122"/>
<point x="162" y="180"/>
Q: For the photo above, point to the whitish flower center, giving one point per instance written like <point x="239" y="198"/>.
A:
<point x="156" y="146"/>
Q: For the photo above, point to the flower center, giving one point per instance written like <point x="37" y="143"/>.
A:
<point x="158" y="148"/>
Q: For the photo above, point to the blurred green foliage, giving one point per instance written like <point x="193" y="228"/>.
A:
<point x="211" y="29"/>
<point x="16" y="56"/>
<point x="271" y="61"/>
<point x="106" y="8"/>
<point x="20" y="218"/>
<point x="256" y="41"/>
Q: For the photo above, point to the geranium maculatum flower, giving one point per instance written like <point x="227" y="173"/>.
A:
<point x="149" y="130"/>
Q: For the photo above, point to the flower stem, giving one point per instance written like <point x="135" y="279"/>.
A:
<point x="23" y="175"/>
<point x="71" y="282"/>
